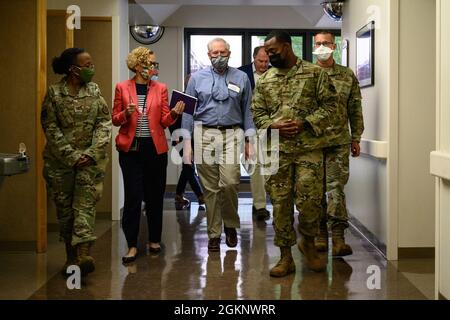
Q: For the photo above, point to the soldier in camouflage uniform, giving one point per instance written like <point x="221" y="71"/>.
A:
<point x="340" y="142"/>
<point x="297" y="98"/>
<point x="77" y="125"/>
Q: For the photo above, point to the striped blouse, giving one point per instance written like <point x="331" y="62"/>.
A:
<point x="142" y="128"/>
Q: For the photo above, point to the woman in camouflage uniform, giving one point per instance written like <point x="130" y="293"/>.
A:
<point x="77" y="125"/>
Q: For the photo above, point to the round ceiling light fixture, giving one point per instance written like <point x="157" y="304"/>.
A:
<point x="146" y="34"/>
<point x="333" y="9"/>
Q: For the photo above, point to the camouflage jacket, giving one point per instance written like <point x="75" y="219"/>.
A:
<point x="349" y="109"/>
<point x="303" y="92"/>
<point x="75" y="126"/>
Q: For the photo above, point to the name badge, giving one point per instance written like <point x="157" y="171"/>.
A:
<point x="234" y="87"/>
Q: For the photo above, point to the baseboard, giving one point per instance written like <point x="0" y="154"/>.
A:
<point x="366" y="233"/>
<point x="171" y="188"/>
<point x="416" y="253"/>
<point x="441" y="297"/>
<point x="17" y="245"/>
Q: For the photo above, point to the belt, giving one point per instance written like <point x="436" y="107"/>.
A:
<point x="221" y="127"/>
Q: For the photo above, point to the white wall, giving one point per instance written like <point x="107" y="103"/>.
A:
<point x="394" y="198"/>
<point x="417" y="123"/>
<point x="366" y="191"/>
<point x="118" y="10"/>
<point x="440" y="161"/>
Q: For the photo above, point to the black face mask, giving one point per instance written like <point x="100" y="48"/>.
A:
<point x="277" y="61"/>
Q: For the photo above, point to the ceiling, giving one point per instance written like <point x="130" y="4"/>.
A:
<point x="233" y="2"/>
<point x="159" y="11"/>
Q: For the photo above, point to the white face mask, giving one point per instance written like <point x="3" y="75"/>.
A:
<point x="323" y="53"/>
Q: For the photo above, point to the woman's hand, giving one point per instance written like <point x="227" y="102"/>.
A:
<point x="177" y="110"/>
<point x="130" y="109"/>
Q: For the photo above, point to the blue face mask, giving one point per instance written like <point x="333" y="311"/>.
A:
<point x="154" y="78"/>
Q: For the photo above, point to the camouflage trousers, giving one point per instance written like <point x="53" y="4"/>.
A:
<point x="298" y="181"/>
<point x="337" y="161"/>
<point x="75" y="193"/>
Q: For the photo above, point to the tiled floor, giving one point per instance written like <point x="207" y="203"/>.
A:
<point x="185" y="270"/>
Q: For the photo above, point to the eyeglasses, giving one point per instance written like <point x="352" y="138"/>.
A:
<point x="152" y="66"/>
<point x="323" y="43"/>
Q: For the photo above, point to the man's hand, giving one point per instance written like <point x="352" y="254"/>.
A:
<point x="84" y="161"/>
<point x="288" y="128"/>
<point x="249" y="151"/>
<point x="356" y="149"/>
<point x="177" y="110"/>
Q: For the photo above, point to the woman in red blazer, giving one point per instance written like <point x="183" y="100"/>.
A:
<point x="142" y="112"/>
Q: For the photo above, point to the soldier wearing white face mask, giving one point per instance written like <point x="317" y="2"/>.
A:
<point x="341" y="142"/>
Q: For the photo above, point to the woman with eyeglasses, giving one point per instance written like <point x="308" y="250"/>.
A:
<point x="77" y="124"/>
<point x="141" y="110"/>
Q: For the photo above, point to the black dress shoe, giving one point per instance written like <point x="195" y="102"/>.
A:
<point x="231" y="237"/>
<point x="262" y="214"/>
<point x="214" y="244"/>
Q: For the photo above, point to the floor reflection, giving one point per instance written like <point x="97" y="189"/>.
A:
<point x="184" y="270"/>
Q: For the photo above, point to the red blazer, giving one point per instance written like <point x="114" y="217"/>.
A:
<point x="157" y="111"/>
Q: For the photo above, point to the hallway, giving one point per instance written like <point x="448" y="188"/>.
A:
<point x="185" y="271"/>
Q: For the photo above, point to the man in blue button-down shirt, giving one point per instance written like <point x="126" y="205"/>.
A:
<point x="223" y="111"/>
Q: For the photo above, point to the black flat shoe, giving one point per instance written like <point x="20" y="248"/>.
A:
<point x="154" y="250"/>
<point x="129" y="259"/>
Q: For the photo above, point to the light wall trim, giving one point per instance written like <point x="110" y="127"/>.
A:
<point x="41" y="79"/>
<point x="440" y="164"/>
<point x="374" y="148"/>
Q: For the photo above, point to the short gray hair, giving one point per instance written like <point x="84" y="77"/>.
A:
<point x="227" y="45"/>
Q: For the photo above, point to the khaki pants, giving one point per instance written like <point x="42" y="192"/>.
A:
<point x="217" y="157"/>
<point x="257" y="182"/>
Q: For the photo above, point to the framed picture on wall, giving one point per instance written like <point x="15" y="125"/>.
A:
<point x="365" y="49"/>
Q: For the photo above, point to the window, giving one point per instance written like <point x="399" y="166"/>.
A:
<point x="198" y="51"/>
<point x="242" y="42"/>
<point x="297" y="45"/>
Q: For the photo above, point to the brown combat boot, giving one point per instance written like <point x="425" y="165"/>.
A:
<point x="84" y="260"/>
<point x="340" y="248"/>
<point x="71" y="258"/>
<point x="286" y="264"/>
<point x="308" y="249"/>
<point x="321" y="241"/>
